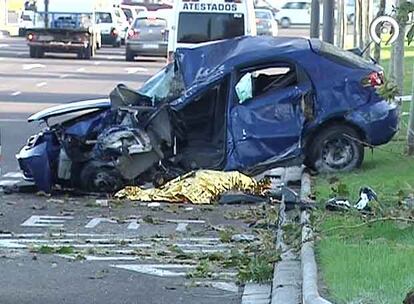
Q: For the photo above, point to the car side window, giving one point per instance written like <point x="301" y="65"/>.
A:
<point x="256" y="82"/>
<point x="295" y="5"/>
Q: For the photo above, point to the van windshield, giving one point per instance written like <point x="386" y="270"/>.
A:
<point x="210" y="26"/>
<point x="165" y="86"/>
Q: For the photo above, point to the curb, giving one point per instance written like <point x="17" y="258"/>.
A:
<point x="310" y="293"/>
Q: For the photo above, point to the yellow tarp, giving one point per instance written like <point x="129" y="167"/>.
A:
<point x="200" y="187"/>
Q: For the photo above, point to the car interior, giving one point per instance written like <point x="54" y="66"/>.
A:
<point x="273" y="78"/>
<point x="202" y="142"/>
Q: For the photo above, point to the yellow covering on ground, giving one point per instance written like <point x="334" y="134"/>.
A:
<point x="200" y="187"/>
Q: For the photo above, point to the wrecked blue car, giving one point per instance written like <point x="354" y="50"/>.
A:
<point x="246" y="104"/>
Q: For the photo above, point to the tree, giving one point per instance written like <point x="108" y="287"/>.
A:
<point x="404" y="9"/>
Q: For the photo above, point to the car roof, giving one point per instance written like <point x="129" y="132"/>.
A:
<point x="221" y="57"/>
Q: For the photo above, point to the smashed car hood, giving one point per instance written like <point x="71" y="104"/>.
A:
<point x="101" y="103"/>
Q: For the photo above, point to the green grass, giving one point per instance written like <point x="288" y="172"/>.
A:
<point x="373" y="263"/>
<point x="408" y="65"/>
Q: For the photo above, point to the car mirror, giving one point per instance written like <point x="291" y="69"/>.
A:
<point x="244" y="88"/>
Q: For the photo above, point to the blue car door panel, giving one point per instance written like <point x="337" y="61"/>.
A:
<point x="267" y="126"/>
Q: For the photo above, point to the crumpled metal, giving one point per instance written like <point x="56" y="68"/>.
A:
<point x="196" y="187"/>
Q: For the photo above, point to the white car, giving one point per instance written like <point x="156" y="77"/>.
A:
<point x="265" y="22"/>
<point x="294" y="12"/>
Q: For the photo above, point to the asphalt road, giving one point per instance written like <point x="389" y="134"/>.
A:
<point x="109" y="270"/>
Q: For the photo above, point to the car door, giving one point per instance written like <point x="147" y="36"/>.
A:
<point x="266" y="125"/>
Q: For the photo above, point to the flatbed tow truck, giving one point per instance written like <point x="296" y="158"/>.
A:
<point x="63" y="32"/>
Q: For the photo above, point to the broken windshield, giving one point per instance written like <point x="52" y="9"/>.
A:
<point x="165" y="86"/>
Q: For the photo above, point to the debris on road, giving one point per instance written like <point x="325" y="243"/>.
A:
<point x="199" y="187"/>
<point x="337" y="204"/>
<point x="366" y="196"/>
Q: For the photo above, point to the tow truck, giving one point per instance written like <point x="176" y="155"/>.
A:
<point x="63" y="30"/>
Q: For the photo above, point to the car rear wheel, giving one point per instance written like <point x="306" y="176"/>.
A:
<point x="334" y="149"/>
<point x="285" y="22"/>
<point x="97" y="177"/>
<point x="36" y="52"/>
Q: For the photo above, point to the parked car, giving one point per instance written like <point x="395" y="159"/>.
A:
<point x="147" y="36"/>
<point x="265" y="22"/>
<point x="246" y="104"/>
<point x="294" y="12"/>
<point x="299" y="12"/>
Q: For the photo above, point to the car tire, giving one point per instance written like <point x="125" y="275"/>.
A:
<point x="87" y="53"/>
<point x="33" y="52"/>
<point x="100" y="178"/>
<point x="333" y="149"/>
<point x="285" y="22"/>
<point x="36" y="52"/>
<point x="129" y="56"/>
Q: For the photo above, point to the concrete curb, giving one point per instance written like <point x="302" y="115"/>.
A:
<point x="310" y="293"/>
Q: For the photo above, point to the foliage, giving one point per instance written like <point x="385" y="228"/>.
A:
<point x="389" y="90"/>
<point x="403" y="12"/>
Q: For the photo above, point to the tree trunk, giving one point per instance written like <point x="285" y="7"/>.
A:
<point x="398" y="54"/>
<point x="410" y="131"/>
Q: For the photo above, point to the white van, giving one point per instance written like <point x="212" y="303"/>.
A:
<point x="113" y="25"/>
<point x="199" y="21"/>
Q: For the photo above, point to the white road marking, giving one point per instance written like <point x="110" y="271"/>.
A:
<point x="56" y="235"/>
<point x="110" y="57"/>
<point x="181" y="227"/>
<point x="63" y="76"/>
<point x="160" y="270"/>
<point x="3" y="45"/>
<point x="16" y="93"/>
<point x="97" y="63"/>
<point x="80" y="70"/>
<point x="97" y="220"/>
<point x="133" y="224"/>
<point x="41" y="84"/>
<point x="27" y="67"/>
<point x="135" y="70"/>
<point x="45" y="221"/>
